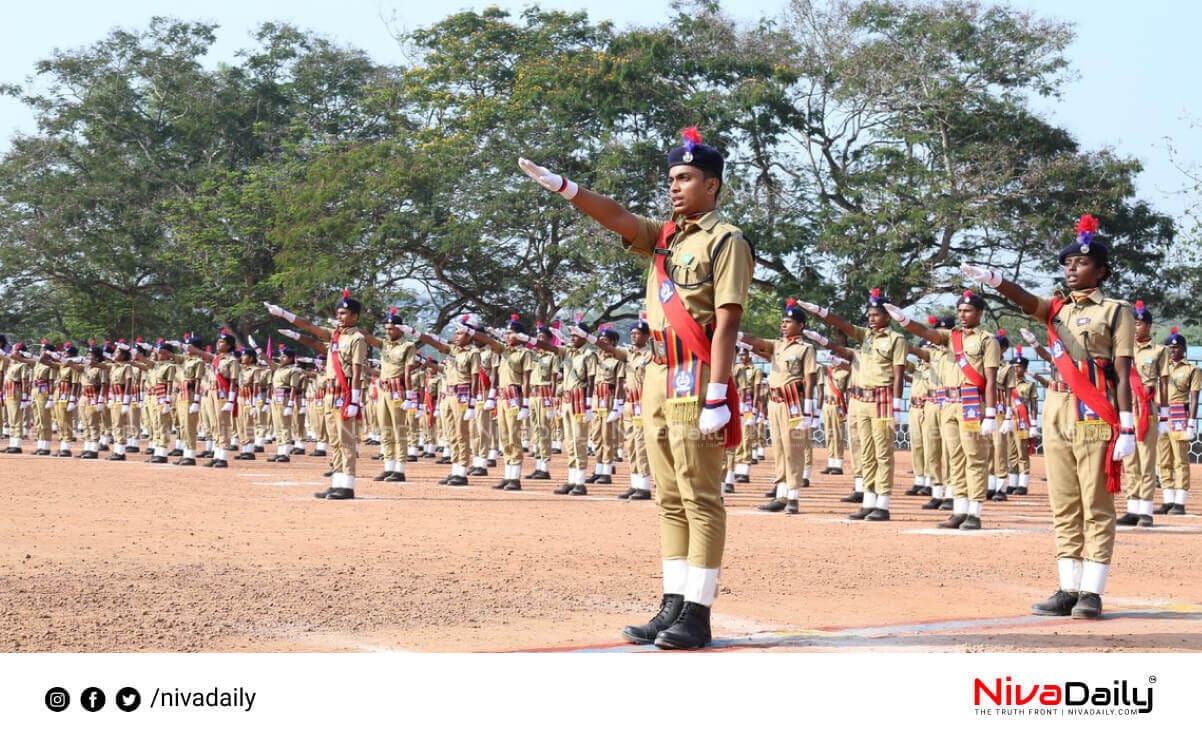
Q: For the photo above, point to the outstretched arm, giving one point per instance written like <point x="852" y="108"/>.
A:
<point x="607" y="212"/>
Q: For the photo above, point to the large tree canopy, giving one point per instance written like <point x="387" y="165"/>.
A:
<point x="870" y="143"/>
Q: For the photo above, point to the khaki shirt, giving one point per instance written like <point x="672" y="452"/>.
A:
<point x="840" y="374"/>
<point x="95" y="377"/>
<point x="1185" y="380"/>
<point x="461" y="365"/>
<point x="609" y="369"/>
<point x="545" y="366"/>
<point x="163" y="372"/>
<point x="793" y="360"/>
<point x="636" y="368"/>
<point x="515" y="363"/>
<point x="395" y="357"/>
<point x="878" y="353"/>
<point x="351" y="348"/>
<point x="579" y="367"/>
<point x="702" y="277"/>
<point x="1152" y="363"/>
<point x="980" y="348"/>
<point x="921" y="386"/>
<point x="1091" y="325"/>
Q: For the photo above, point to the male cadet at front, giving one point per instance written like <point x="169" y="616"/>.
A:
<point x="1088" y="426"/>
<point x="696" y="291"/>
<point x="347" y="361"/>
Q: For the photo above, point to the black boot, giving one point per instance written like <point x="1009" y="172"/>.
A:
<point x="669" y="610"/>
<point x="690" y="631"/>
<point x="1088" y="606"/>
<point x="1059" y="604"/>
<point x="1128" y="519"/>
<point x="855" y="497"/>
<point x="395" y="476"/>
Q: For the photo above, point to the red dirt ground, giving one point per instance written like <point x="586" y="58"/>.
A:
<point x="124" y="556"/>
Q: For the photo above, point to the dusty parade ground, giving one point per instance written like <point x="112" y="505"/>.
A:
<point x="125" y="556"/>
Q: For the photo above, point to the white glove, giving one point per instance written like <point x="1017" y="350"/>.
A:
<point x="290" y="334"/>
<point x="1029" y="337"/>
<point x="490" y="404"/>
<point x="49" y="404"/>
<point x="125" y="408"/>
<point x="1124" y="446"/>
<point x="99" y="406"/>
<point x="408" y="405"/>
<point x="350" y="411"/>
<point x="982" y="275"/>
<point x="814" y="309"/>
<point x="715" y="414"/>
<point x="228" y="407"/>
<point x="470" y="414"/>
<point x="524" y="413"/>
<point x="805" y="424"/>
<point x="24" y="402"/>
<point x="548" y="180"/>
<point x="817" y="337"/>
<point x="989" y="423"/>
<point x="250" y="339"/>
<point x="522" y="337"/>
<point x="71" y="406"/>
<point x="1034" y="430"/>
<point x="278" y="311"/>
<point x="613" y="415"/>
<point x="1007" y="426"/>
<point x="897" y="313"/>
<point x="897" y="411"/>
<point x="287" y="410"/>
<point x="407" y="330"/>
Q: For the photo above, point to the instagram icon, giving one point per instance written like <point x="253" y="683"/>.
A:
<point x="57" y="699"/>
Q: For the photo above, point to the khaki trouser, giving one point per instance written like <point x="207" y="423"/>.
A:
<point x="160" y="419"/>
<point x="875" y="437"/>
<point x="223" y="423"/>
<point x="541" y="409"/>
<point x="90" y="417"/>
<point x="687" y="469"/>
<point x="636" y="441"/>
<point x="394" y="426"/>
<point x="1164" y="460"/>
<point x="456" y="429"/>
<point x="509" y="432"/>
<point x="65" y="419"/>
<point x="967" y="454"/>
<point x="41" y="416"/>
<point x="1082" y="509"/>
<point x="1020" y="454"/>
<point x="853" y="445"/>
<point x="575" y="438"/>
<point x="918" y="443"/>
<point x="1002" y="444"/>
<point x="935" y="463"/>
<point x="283" y="425"/>
<point x="788" y="445"/>
<point x="1178" y="472"/>
<point x="1140" y="469"/>
<point x="187" y="421"/>
<point x="607" y="442"/>
<point x="248" y="414"/>
<point x="344" y="438"/>
<point x="832" y="424"/>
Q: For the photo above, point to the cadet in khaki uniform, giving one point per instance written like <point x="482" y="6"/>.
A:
<point x="483" y="438"/>
<point x="701" y="275"/>
<point x="1024" y="404"/>
<point x="189" y="381"/>
<point x="999" y="486"/>
<point x="791" y="383"/>
<point x="630" y="394"/>
<point x="919" y="392"/>
<point x="346" y="365"/>
<point x="16" y="396"/>
<point x="397" y="359"/>
<point x="461" y="388"/>
<point x="747" y="378"/>
<point x="41" y="379"/>
<point x="603" y="431"/>
<point x="223" y="370"/>
<point x="544" y="402"/>
<point x="66" y="402"/>
<point x="121" y="391"/>
<point x="93" y="379"/>
<point x="287" y="390"/>
<point x="1092" y="339"/>
<point x="969" y="419"/>
<point x="250" y="397"/>
<point x="1185" y="381"/>
<point x="512" y="393"/>
<point x="1151" y="412"/>
<point x="876" y="403"/>
<point x="579" y="367"/>
<point x="160" y="378"/>
<point x="832" y="396"/>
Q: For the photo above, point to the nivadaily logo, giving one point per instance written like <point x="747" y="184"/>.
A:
<point x="1063" y="697"/>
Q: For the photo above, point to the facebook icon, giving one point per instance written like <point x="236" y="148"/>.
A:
<point x="92" y="699"/>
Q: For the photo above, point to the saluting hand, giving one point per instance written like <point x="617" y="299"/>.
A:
<point x="814" y="309"/>
<point x="1029" y="337"/>
<point x="817" y="337"/>
<point x="982" y="275"/>
<point x="897" y="313"/>
<point x="548" y="180"/>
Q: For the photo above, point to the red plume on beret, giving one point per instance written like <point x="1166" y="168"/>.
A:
<point x="875" y="293"/>
<point x="1173" y="330"/>
<point x="691" y="135"/>
<point x="45" y="342"/>
<point x="514" y="317"/>
<point x="208" y="349"/>
<point x="160" y="340"/>
<point x="346" y="293"/>
<point x="465" y="319"/>
<point x="1001" y="332"/>
<point x="932" y="320"/>
<point x="790" y="302"/>
<point x="225" y="331"/>
<point x="392" y="310"/>
<point x="1018" y="350"/>
<point x="557" y="324"/>
<point x="579" y="316"/>
<point x="1087" y="223"/>
<point x="1139" y="305"/>
<point x="642" y="315"/>
<point x="138" y="339"/>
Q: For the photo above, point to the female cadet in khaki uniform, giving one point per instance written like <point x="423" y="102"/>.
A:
<point x="579" y="367"/>
<point x="188" y="398"/>
<point x="630" y="403"/>
<point x="1091" y="338"/>
<point x="287" y="404"/>
<point x="685" y="399"/>
<point x="544" y="403"/>
<point x="223" y="394"/>
<point x="969" y="418"/>
<point x="461" y="367"/>
<point x="602" y="431"/>
<point x="397" y="359"/>
<point x="791" y="383"/>
<point x="1024" y="404"/>
<point x="250" y="396"/>
<point x="160" y="375"/>
<point x="66" y="404"/>
<point x="1185" y="380"/>
<point x="876" y="403"/>
<point x="1150" y="401"/>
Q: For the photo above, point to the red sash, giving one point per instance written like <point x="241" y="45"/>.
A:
<point x="972" y="375"/>
<point x="225" y="385"/>
<point x="1019" y="406"/>
<point x="343" y="385"/>
<point x="840" y="401"/>
<point x="692" y="334"/>
<point x="1142" y="398"/>
<point x="1084" y="391"/>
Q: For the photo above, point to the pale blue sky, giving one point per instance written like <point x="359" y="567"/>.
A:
<point x="1133" y="59"/>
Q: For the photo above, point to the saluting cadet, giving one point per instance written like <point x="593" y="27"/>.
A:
<point x="1151" y="409"/>
<point x="876" y="403"/>
<point x="287" y="401"/>
<point x="1185" y="380"/>
<point x="515" y="365"/>
<point x="161" y="380"/>
<point x="919" y="392"/>
<point x="544" y="403"/>
<point x="397" y="359"/>
<point x="249" y="399"/>
<point x="483" y="438"/>
<point x="832" y="397"/>
<point x="41" y="378"/>
<point x="997" y="489"/>
<point x="630" y="404"/>
<point x="1088" y="426"/>
<point x="66" y="402"/>
<point x="223" y="394"/>
<point x="346" y="361"/>
<point x="606" y="411"/>
<point x="16" y="395"/>
<point x="791" y="383"/>
<point x="1024" y="403"/>
<point x="120" y="397"/>
<point x="461" y="380"/>
<point x="93" y="391"/>
<point x="695" y="298"/>
<point x="747" y="378"/>
<point x="970" y="417"/>
<point x="188" y="398"/>
<point x="579" y="366"/>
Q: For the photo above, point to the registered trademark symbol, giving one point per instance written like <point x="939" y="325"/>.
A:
<point x="1151" y="679"/>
